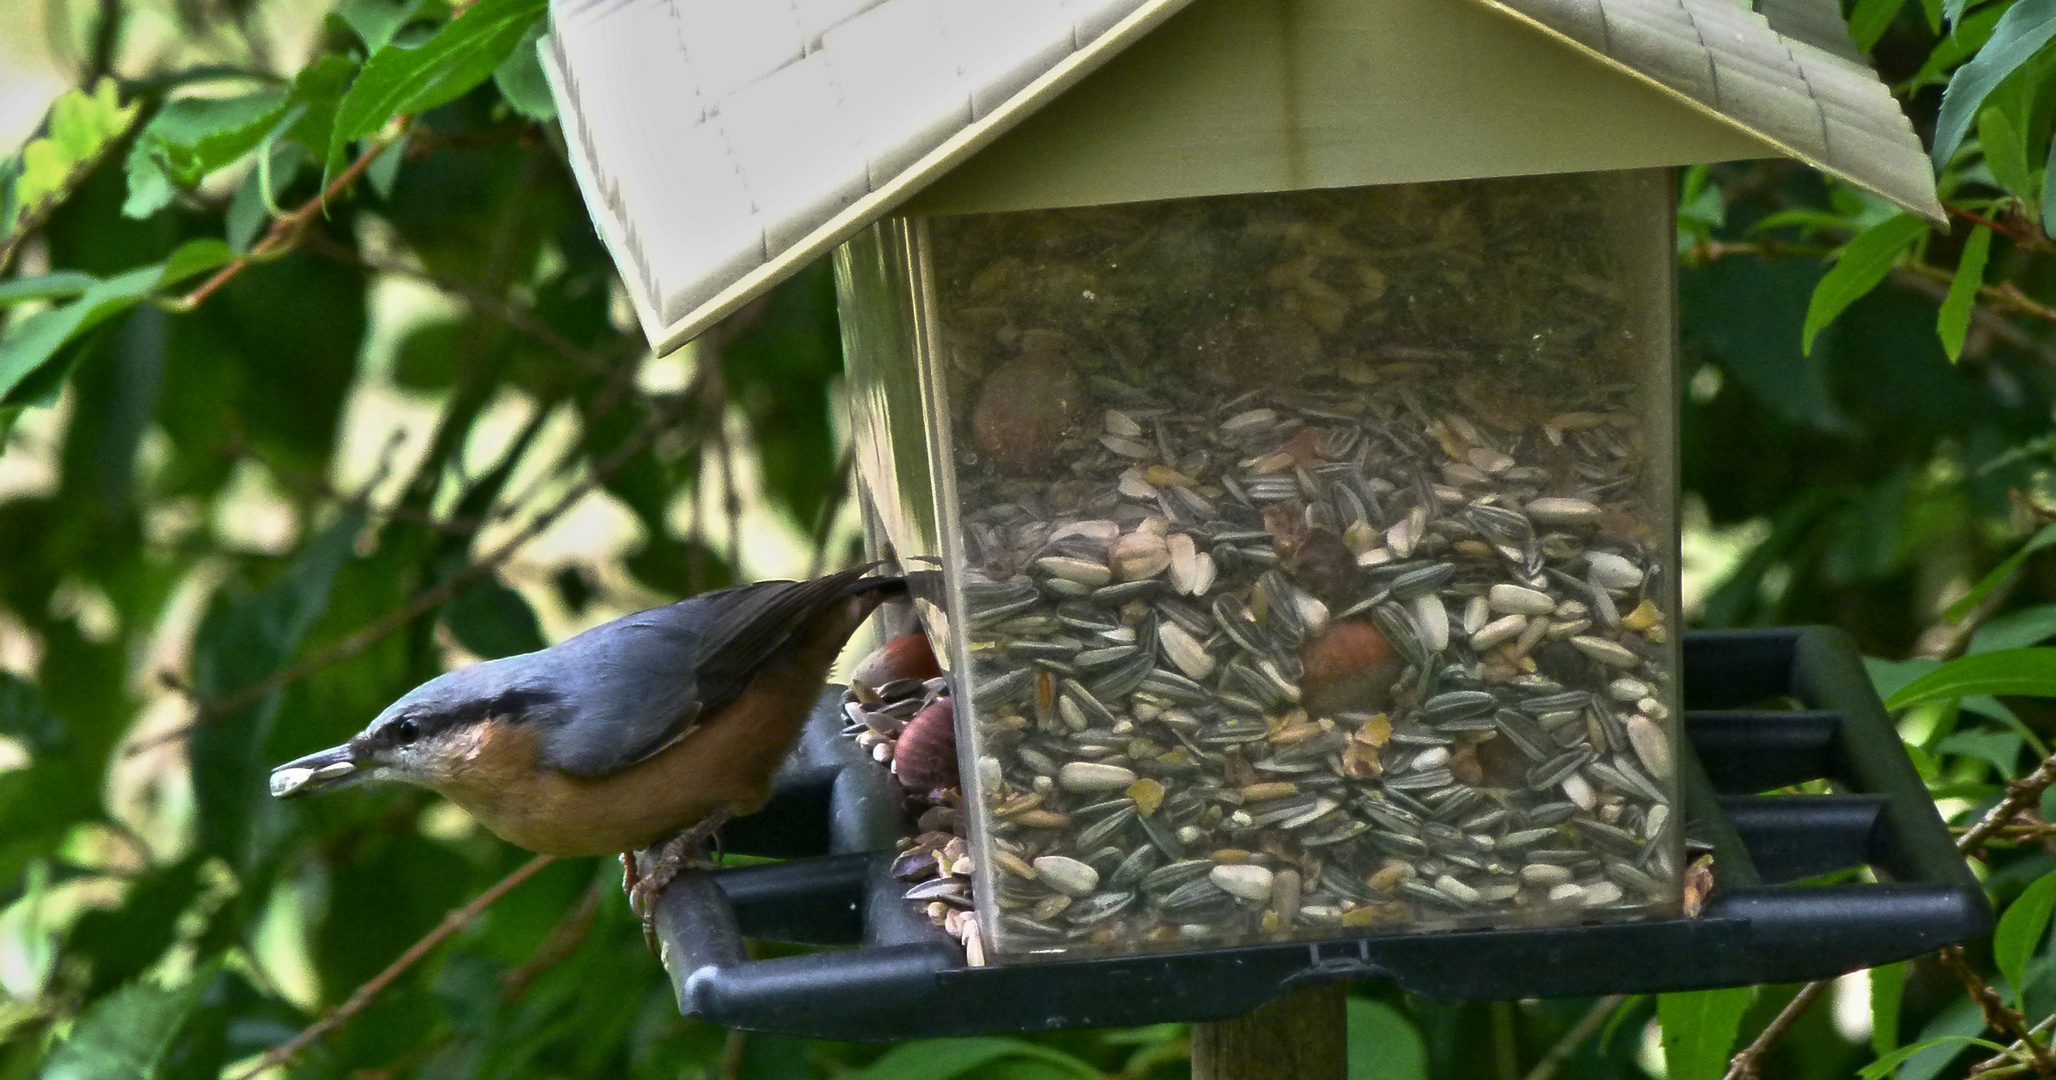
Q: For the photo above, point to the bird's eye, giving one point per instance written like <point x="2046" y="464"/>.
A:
<point x="406" y="731"/>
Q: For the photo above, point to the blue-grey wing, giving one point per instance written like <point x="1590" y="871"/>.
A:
<point x="643" y="681"/>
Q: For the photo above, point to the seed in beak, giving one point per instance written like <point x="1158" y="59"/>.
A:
<point x="290" y="779"/>
<point x="286" y="781"/>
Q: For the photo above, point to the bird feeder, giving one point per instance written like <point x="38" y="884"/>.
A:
<point x="1283" y="392"/>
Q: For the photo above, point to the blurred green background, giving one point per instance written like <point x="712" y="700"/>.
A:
<point x="418" y="427"/>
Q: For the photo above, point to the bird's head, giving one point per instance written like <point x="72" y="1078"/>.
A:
<point x="428" y="736"/>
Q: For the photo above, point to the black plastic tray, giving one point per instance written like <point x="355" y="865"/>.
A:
<point x="837" y="816"/>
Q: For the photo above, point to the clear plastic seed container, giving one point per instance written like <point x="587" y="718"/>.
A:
<point x="1307" y="562"/>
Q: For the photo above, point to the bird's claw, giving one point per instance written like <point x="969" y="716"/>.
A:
<point x="667" y="860"/>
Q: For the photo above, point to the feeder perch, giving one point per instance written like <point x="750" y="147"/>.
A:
<point x="1274" y="402"/>
<point x="1765" y="709"/>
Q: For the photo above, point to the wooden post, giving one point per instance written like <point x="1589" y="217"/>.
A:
<point x="1301" y="1036"/>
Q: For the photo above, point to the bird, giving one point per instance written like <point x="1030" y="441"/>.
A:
<point x="655" y="728"/>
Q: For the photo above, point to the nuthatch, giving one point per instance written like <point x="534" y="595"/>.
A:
<point x="657" y="726"/>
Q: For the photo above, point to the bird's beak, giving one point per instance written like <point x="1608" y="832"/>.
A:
<point x="313" y="773"/>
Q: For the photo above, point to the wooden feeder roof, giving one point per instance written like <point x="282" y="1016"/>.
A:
<point x="723" y="144"/>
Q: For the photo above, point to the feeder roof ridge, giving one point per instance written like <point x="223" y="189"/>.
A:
<point x="722" y="145"/>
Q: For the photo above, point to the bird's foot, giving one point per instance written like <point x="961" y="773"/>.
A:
<point x="668" y="860"/>
<point x="630" y="875"/>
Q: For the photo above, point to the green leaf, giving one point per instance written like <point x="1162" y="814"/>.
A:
<point x="2000" y="748"/>
<point x="2021" y="929"/>
<point x="1887" y="990"/>
<point x="384" y="170"/>
<point x="376" y="21"/>
<point x="403" y="81"/>
<point x="2015" y="630"/>
<point x="1964" y="40"/>
<point x="1869" y="20"/>
<point x="59" y="285"/>
<point x="194" y="257"/>
<point x="1999" y="573"/>
<point x="22" y="716"/>
<point x="192" y="137"/>
<point x="319" y="89"/>
<point x="2005" y="149"/>
<point x="81" y="127"/>
<point x="1953" y="324"/>
<point x="256" y="198"/>
<point x="124" y="1035"/>
<point x="1864" y="262"/>
<point x="493" y="621"/>
<point x="1384" y="1044"/>
<point x="520" y="78"/>
<point x="2018" y="36"/>
<point x="240" y="643"/>
<point x="1883" y="1066"/>
<point x="1699" y="1029"/>
<point x="943" y="1059"/>
<point x="2049" y="191"/>
<point x="1701" y="207"/>
<point x="31" y="343"/>
<point x="2029" y="672"/>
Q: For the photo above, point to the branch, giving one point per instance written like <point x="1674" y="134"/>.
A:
<point x="481" y="298"/>
<point x="428" y="600"/>
<point x="563" y="940"/>
<point x="1997" y="1016"/>
<point x="2009" y="1062"/>
<point x="1946" y="641"/>
<point x="376" y="985"/>
<point x="289" y="228"/>
<point x="1981" y="316"/>
<point x="1745" y="1064"/>
<point x="731" y="501"/>
<point x="1574" y="1040"/>
<point x="831" y="508"/>
<point x="2020" y="794"/>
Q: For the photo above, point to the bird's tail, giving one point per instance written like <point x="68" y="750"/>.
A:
<point x="886" y="586"/>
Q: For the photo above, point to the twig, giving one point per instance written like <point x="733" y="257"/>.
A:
<point x="2020" y="794"/>
<point x="1946" y="641"/>
<point x="363" y="995"/>
<point x="423" y="602"/>
<point x="2013" y="833"/>
<point x="563" y="940"/>
<point x="1506" y="1041"/>
<point x="831" y="508"/>
<point x="733" y="1050"/>
<point x="724" y="456"/>
<point x="2004" y="297"/>
<point x="31" y="218"/>
<point x="1983" y="316"/>
<point x="287" y="229"/>
<point x="2012" y="1055"/>
<point x="1573" y="1040"/>
<point x="1745" y="1064"/>
<point x="1998" y="1017"/>
<point x="483" y="299"/>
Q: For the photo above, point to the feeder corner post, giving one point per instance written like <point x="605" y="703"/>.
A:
<point x="1301" y="1036"/>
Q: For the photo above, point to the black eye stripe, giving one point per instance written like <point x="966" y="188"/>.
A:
<point x="508" y="706"/>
